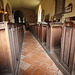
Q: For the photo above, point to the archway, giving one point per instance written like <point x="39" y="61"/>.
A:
<point x="1" y="10"/>
<point x="1" y="5"/>
<point x="7" y="16"/>
<point x="18" y="16"/>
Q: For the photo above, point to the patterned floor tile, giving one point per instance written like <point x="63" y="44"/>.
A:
<point x="24" y="65"/>
<point x="34" y="60"/>
<point x="39" y="72"/>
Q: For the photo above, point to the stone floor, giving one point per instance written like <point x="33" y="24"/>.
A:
<point x="34" y="60"/>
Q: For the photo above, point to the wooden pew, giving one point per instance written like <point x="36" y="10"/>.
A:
<point x="68" y="45"/>
<point x="73" y="70"/>
<point x="13" y="41"/>
<point x="38" y="31"/>
<point x="35" y="29"/>
<point x="43" y="32"/>
<point x="54" y="35"/>
<point x="20" y="34"/>
<point x="9" y="48"/>
<point x="32" y="28"/>
<point x="5" y="62"/>
<point x="48" y="37"/>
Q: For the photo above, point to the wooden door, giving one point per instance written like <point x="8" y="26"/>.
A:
<point x="38" y="33"/>
<point x="5" y="66"/>
<point x="44" y="34"/>
<point x="41" y="32"/>
<point x="15" y="40"/>
<point x="21" y="34"/>
<point x="48" y="37"/>
<point x="68" y="45"/>
<point x="55" y="39"/>
<point x="18" y="35"/>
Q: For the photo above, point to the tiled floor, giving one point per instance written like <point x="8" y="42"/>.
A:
<point x="34" y="60"/>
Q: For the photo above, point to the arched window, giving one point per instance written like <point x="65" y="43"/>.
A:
<point x="1" y="5"/>
<point x="1" y="11"/>
<point x="7" y="16"/>
<point x="39" y="13"/>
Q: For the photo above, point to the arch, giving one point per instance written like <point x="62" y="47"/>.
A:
<point x="8" y="9"/>
<point x="1" y="5"/>
<point x="7" y="16"/>
<point x="18" y="16"/>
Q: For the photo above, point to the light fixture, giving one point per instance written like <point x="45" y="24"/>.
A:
<point x="5" y="12"/>
<point x="2" y="11"/>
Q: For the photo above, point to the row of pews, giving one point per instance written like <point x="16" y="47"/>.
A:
<point x="59" y="39"/>
<point x="11" y="38"/>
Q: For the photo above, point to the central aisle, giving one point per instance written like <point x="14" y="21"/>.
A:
<point x="34" y="60"/>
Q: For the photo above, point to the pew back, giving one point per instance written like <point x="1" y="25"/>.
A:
<point x="67" y="45"/>
<point x="43" y="33"/>
<point x="55" y="35"/>
<point x="9" y="47"/>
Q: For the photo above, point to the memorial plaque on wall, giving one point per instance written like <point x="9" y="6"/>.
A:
<point x="68" y="9"/>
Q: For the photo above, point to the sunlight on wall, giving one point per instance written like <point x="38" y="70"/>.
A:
<point x="39" y="13"/>
<point x="48" y="6"/>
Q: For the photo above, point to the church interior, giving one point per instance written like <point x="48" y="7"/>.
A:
<point x="37" y="37"/>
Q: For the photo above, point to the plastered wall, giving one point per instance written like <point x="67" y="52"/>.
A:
<point x="49" y="8"/>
